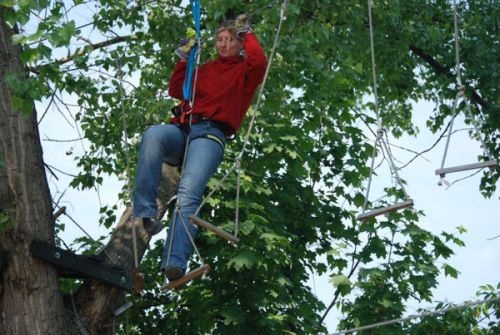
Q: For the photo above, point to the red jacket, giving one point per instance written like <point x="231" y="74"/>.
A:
<point x="225" y="87"/>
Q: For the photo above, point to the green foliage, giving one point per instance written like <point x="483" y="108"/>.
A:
<point x="303" y="173"/>
<point x="463" y="320"/>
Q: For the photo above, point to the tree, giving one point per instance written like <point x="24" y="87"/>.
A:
<point x="307" y="157"/>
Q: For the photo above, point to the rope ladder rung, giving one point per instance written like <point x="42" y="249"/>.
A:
<point x="480" y="165"/>
<point x="233" y="240"/>
<point x="385" y="210"/>
<point x="187" y="278"/>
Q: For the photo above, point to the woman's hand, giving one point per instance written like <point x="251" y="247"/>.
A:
<point x="184" y="47"/>
<point x="242" y="24"/>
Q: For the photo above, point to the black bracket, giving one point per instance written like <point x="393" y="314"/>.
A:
<point x="72" y="265"/>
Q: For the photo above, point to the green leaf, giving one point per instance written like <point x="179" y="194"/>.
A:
<point x="450" y="271"/>
<point x="232" y="315"/>
<point x="244" y="259"/>
<point x="340" y="281"/>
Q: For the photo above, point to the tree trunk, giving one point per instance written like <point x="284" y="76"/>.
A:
<point x="96" y="301"/>
<point x="30" y="302"/>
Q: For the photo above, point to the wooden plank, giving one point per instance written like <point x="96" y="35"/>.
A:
<point x="384" y="210"/>
<point x="479" y="165"/>
<point x="187" y="278"/>
<point x="80" y="266"/>
<point x="216" y="230"/>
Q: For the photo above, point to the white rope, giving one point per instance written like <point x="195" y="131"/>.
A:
<point x="460" y="94"/>
<point x="184" y="159"/>
<point x="239" y="158"/>
<point x="380" y="130"/>
<point x="420" y="315"/>
<point x="127" y="156"/>
<point x="460" y="87"/>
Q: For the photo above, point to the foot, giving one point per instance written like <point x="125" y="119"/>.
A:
<point x="152" y="225"/>
<point x="173" y="272"/>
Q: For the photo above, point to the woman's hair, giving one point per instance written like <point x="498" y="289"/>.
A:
<point x="228" y="25"/>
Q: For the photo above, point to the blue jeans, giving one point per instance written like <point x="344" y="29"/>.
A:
<point x="166" y="143"/>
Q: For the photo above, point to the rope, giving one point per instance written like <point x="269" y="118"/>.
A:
<point x="189" y="90"/>
<point x="450" y="128"/>
<point x="380" y="130"/>
<point x="79" y="324"/>
<point x="420" y="315"/>
<point x="238" y="160"/>
<point x="127" y="156"/>
<point x="460" y="94"/>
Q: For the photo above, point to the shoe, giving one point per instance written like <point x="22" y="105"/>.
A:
<point x="152" y="225"/>
<point x="173" y="272"/>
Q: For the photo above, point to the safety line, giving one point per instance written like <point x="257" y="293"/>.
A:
<point x="127" y="156"/>
<point x="420" y="315"/>
<point x="189" y="92"/>
<point x="380" y="131"/>
<point x="187" y="88"/>
<point x="238" y="160"/>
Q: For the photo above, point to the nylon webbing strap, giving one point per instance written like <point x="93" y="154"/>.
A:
<point x="187" y="89"/>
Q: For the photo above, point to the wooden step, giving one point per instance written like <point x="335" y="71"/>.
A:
<point x="233" y="240"/>
<point x="384" y="210"/>
<point x="480" y="165"/>
<point x="187" y="278"/>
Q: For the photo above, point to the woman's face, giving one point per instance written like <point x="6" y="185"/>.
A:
<point x="227" y="44"/>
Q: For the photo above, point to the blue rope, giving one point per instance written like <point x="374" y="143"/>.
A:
<point x="187" y="88"/>
<point x="196" y="7"/>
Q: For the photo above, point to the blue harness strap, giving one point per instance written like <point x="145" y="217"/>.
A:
<point x="187" y="88"/>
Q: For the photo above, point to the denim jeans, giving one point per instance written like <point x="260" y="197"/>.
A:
<point x="166" y="143"/>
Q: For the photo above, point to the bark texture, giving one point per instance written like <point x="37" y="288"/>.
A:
<point x="96" y="301"/>
<point x="30" y="302"/>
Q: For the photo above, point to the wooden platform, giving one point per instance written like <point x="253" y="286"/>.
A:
<point x="480" y="165"/>
<point x="72" y="265"/>
<point x="384" y="210"/>
<point x="176" y="284"/>
<point x="233" y="240"/>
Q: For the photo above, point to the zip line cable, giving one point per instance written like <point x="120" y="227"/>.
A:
<point x="420" y="315"/>
<point x="237" y="163"/>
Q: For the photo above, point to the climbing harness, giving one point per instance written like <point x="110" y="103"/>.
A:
<point x="189" y="95"/>
<point x="384" y="146"/>
<point x="490" y="163"/>
<point x="189" y="90"/>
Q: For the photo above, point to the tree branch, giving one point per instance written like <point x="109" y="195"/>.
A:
<point x="94" y="46"/>
<point x="443" y="70"/>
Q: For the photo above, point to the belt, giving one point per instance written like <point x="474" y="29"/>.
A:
<point x="195" y="118"/>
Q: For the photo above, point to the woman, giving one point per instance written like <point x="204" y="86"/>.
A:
<point x="222" y="95"/>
